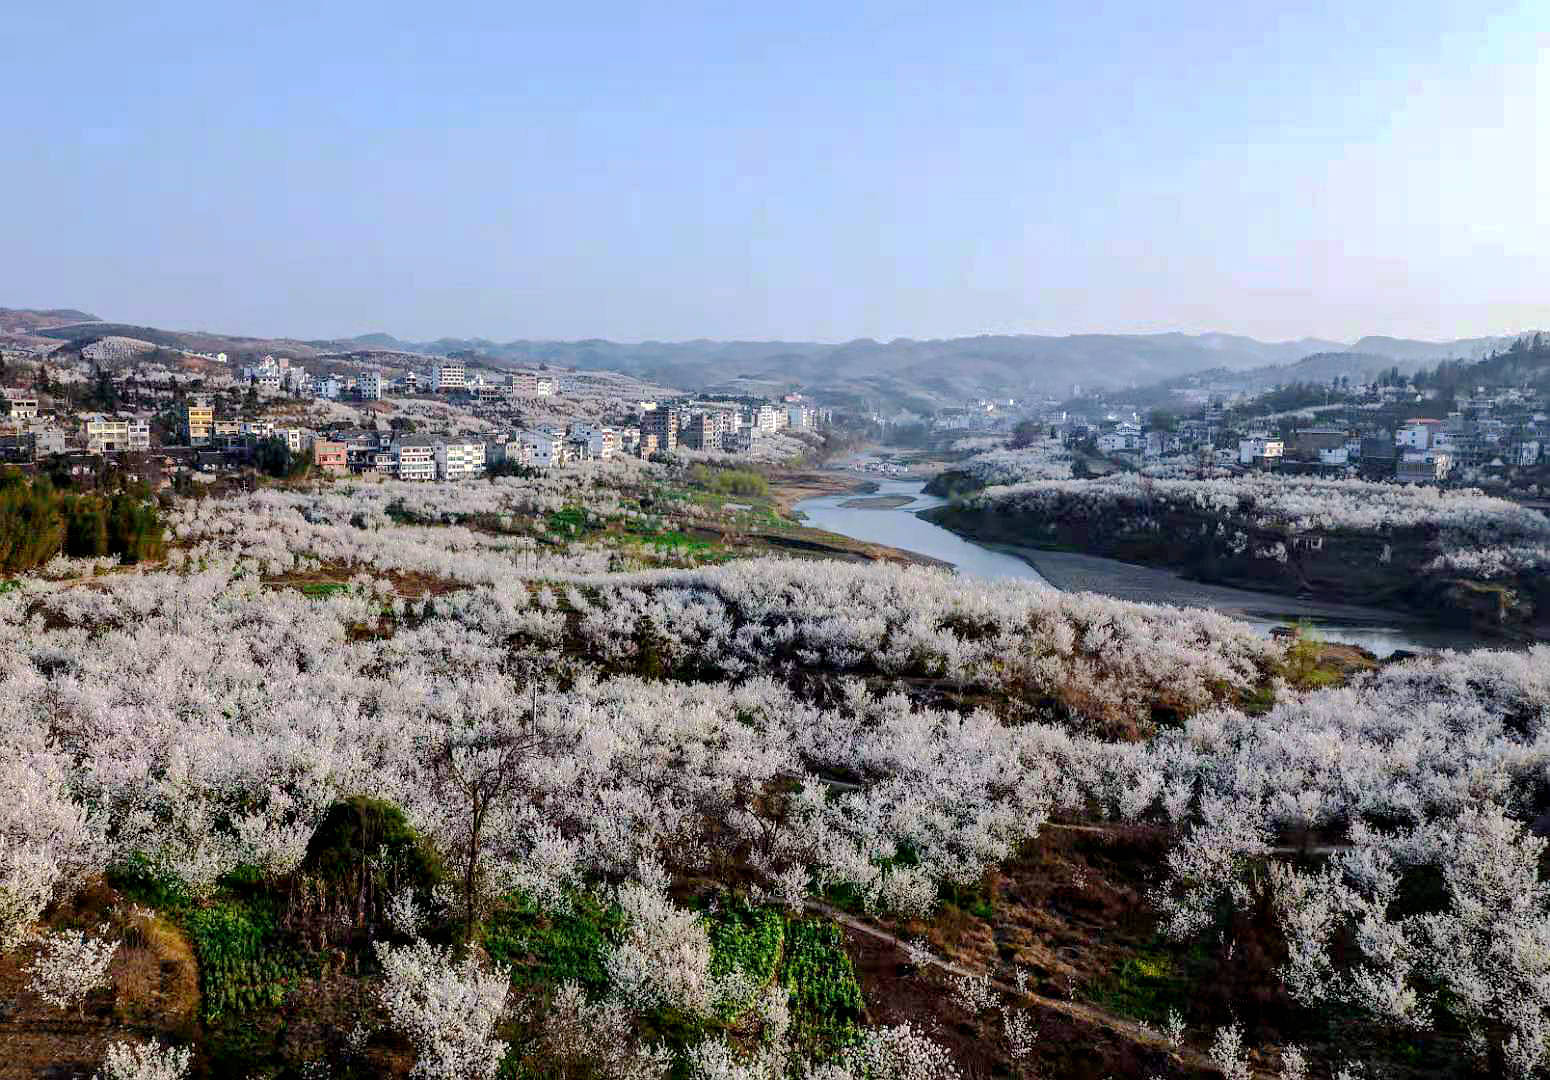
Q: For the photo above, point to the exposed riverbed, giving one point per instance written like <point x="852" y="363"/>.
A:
<point x="888" y="516"/>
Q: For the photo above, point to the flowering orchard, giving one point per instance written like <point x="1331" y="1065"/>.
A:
<point x="545" y="744"/>
<point x="1464" y="525"/>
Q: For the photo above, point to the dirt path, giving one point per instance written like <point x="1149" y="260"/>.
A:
<point x="1074" y="1010"/>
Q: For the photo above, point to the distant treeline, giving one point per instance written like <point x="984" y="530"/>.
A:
<point x="1526" y="360"/>
<point x="38" y="521"/>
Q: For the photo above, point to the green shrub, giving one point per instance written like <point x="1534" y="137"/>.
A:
<point x="37" y="522"/>
<point x="359" y="831"/>
<point x="360" y="855"/>
<point x="729" y="481"/>
<point x="317" y="590"/>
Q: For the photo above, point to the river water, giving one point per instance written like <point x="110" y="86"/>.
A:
<point x="1383" y="632"/>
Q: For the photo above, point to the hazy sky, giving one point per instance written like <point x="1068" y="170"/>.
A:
<point x="800" y="170"/>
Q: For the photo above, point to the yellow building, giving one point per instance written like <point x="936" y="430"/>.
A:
<point x="197" y="422"/>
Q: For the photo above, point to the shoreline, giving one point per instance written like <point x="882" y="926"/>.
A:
<point x="793" y="486"/>
<point x="1076" y="572"/>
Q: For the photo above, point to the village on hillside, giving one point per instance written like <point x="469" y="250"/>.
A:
<point x="177" y="413"/>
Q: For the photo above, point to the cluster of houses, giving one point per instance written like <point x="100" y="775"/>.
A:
<point x="664" y="427"/>
<point x="442" y="376"/>
<point x="1489" y="432"/>
<point x="26" y="436"/>
<point x="199" y="439"/>
<point x="1423" y="450"/>
<point x="458" y="457"/>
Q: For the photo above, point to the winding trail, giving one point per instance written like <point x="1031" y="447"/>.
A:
<point x="1075" y="1010"/>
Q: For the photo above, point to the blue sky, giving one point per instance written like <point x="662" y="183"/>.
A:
<point x="801" y="171"/>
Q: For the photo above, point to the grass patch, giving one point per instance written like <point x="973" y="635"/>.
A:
<point x="1144" y="985"/>
<point x="545" y="948"/>
<point x="319" y="590"/>
<point x="826" y="1002"/>
<point x="749" y="940"/>
<point x="573" y="522"/>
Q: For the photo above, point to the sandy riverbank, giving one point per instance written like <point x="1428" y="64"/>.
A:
<point x="878" y="502"/>
<point x="1075" y="572"/>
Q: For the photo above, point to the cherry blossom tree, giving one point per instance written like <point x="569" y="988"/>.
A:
<point x="147" y="1061"/>
<point x="449" y="1010"/>
<point x="69" y="966"/>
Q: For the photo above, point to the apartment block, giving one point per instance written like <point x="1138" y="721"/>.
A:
<point x="661" y="422"/>
<point x="105" y="433"/>
<point x="601" y="442"/>
<point x="448" y="375"/>
<point x="197" y="422"/>
<point x="415" y="457"/>
<point x="459" y="460"/>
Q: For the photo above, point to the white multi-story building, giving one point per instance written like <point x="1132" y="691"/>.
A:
<point x="1258" y="447"/>
<point x="506" y="451"/>
<point x="602" y="442"/>
<point x="296" y="439"/>
<point x="1423" y="466"/>
<point x="108" y="434"/>
<point x="414" y="457"/>
<point x="448" y="375"/>
<point x="543" y="450"/>
<point x="370" y="384"/>
<point x="459" y="459"/>
<point x="800" y="416"/>
<point x="1418" y="434"/>
<point x="20" y="404"/>
<point x="1121" y="440"/>
<point x="105" y="433"/>
<point x="768" y="418"/>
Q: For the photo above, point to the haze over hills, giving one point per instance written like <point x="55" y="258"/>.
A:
<point x="902" y="372"/>
<point x="959" y="367"/>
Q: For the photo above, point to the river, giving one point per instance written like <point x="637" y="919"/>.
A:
<point x="1382" y="632"/>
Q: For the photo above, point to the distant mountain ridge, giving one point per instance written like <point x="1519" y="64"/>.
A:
<point x="904" y="372"/>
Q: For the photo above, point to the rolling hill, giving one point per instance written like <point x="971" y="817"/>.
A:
<point x="902" y="373"/>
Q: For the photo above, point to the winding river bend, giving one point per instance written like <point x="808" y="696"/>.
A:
<point x="888" y="516"/>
